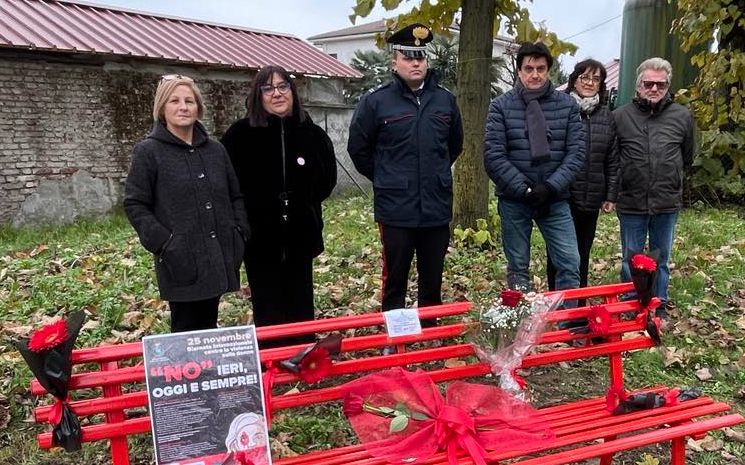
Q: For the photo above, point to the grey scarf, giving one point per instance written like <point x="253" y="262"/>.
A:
<point x="535" y="121"/>
<point x="586" y="104"/>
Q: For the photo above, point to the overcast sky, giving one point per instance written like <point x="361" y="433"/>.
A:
<point x="304" y="18"/>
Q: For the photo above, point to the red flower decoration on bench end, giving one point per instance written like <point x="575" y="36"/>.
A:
<point x="642" y="262"/>
<point x="599" y="320"/>
<point x="48" y="336"/>
<point x="48" y="353"/>
<point x="315" y="365"/>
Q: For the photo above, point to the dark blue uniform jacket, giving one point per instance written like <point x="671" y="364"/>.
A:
<point x="406" y="147"/>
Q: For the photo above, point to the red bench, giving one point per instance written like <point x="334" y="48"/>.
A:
<point x="578" y="425"/>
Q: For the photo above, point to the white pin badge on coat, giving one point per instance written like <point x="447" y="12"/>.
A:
<point x="300" y="161"/>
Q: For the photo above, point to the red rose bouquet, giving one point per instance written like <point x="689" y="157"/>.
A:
<point x="48" y="354"/>
<point x="506" y="331"/>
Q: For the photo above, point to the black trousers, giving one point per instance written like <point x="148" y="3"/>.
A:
<point x="399" y="246"/>
<point x="585" y="224"/>
<point x="281" y="292"/>
<point x="192" y="316"/>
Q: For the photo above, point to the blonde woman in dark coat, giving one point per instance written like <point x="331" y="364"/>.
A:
<point x="183" y="199"/>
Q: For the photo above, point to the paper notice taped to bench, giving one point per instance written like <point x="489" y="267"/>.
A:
<point x="402" y="322"/>
<point x="205" y="397"/>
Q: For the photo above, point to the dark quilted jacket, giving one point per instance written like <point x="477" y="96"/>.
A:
<point x="597" y="181"/>
<point x="507" y="148"/>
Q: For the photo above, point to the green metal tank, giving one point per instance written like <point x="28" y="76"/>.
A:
<point x="646" y="34"/>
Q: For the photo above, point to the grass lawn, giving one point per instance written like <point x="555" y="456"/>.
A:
<point x="99" y="265"/>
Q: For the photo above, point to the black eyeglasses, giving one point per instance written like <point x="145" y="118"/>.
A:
<point x="171" y="77"/>
<point x="587" y="79"/>
<point x="661" y="85"/>
<point x="282" y="87"/>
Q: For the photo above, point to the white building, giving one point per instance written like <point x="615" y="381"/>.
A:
<point x="342" y="44"/>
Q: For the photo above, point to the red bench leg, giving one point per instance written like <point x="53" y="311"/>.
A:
<point x="678" y="451"/>
<point x="119" y="446"/>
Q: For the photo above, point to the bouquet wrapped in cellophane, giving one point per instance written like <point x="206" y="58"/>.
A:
<point x="507" y="330"/>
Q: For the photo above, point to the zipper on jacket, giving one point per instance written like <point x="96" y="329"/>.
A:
<point x="588" y="155"/>
<point x="284" y="196"/>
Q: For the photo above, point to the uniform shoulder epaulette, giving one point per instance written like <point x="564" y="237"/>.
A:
<point x="445" y="88"/>
<point x="378" y="87"/>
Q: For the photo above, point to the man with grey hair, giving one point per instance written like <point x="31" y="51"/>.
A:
<point x="656" y="139"/>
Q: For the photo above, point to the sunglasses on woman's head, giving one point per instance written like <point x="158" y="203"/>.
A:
<point x="171" y="77"/>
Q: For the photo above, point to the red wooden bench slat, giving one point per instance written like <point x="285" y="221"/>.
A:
<point x="607" y="348"/>
<point x="634" y="442"/>
<point x="387" y="361"/>
<point x="369" y="342"/>
<point x="613" y="308"/>
<point x="103" y="431"/>
<point x="603" y="290"/>
<point x="353" y="321"/>
<point x="99" y="405"/>
<point x="98" y="379"/>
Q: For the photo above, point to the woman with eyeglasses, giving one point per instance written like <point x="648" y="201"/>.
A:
<point x="183" y="199"/>
<point x="286" y="167"/>
<point x="596" y="186"/>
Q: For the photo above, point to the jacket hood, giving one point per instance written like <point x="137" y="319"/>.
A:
<point x="161" y="133"/>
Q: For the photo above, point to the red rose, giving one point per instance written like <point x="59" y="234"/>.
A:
<point x="315" y="365"/>
<point x="353" y="404"/>
<point x="599" y="320"/>
<point x="642" y="262"/>
<point x="511" y="297"/>
<point x="48" y="337"/>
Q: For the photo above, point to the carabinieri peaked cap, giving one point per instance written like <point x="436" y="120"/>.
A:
<point x="411" y="41"/>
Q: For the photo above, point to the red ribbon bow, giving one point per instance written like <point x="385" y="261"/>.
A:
<point x="473" y="418"/>
<point x="454" y="428"/>
<point x="55" y="414"/>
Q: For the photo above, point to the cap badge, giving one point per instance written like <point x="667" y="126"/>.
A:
<point x="419" y="32"/>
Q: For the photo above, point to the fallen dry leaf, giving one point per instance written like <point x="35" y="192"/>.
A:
<point x="454" y="363"/>
<point x="704" y="374"/>
<point x="738" y="436"/>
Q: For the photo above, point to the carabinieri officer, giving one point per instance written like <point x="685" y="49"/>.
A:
<point x="404" y="136"/>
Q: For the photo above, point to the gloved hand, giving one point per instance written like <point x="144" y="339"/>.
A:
<point x="539" y="195"/>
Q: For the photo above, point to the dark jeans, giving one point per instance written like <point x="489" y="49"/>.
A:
<point x="399" y="246"/>
<point x="558" y="232"/>
<point x="192" y="316"/>
<point x="661" y="231"/>
<point x="585" y="224"/>
<point x="281" y="292"/>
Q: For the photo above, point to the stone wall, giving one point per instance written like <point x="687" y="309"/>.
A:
<point x="68" y="125"/>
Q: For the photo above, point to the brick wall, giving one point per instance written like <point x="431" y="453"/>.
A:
<point x="60" y="117"/>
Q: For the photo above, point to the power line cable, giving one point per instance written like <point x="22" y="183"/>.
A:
<point x="593" y="27"/>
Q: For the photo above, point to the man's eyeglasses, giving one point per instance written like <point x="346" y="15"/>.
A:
<point x="171" y="77"/>
<point x="587" y="79"/>
<point x="661" y="85"/>
<point x="282" y="87"/>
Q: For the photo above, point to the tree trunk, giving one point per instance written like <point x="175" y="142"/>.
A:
<point x="471" y="185"/>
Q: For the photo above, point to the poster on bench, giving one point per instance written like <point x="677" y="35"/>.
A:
<point x="205" y="397"/>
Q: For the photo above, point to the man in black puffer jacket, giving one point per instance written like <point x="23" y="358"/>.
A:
<point x="656" y="139"/>
<point x="533" y="149"/>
